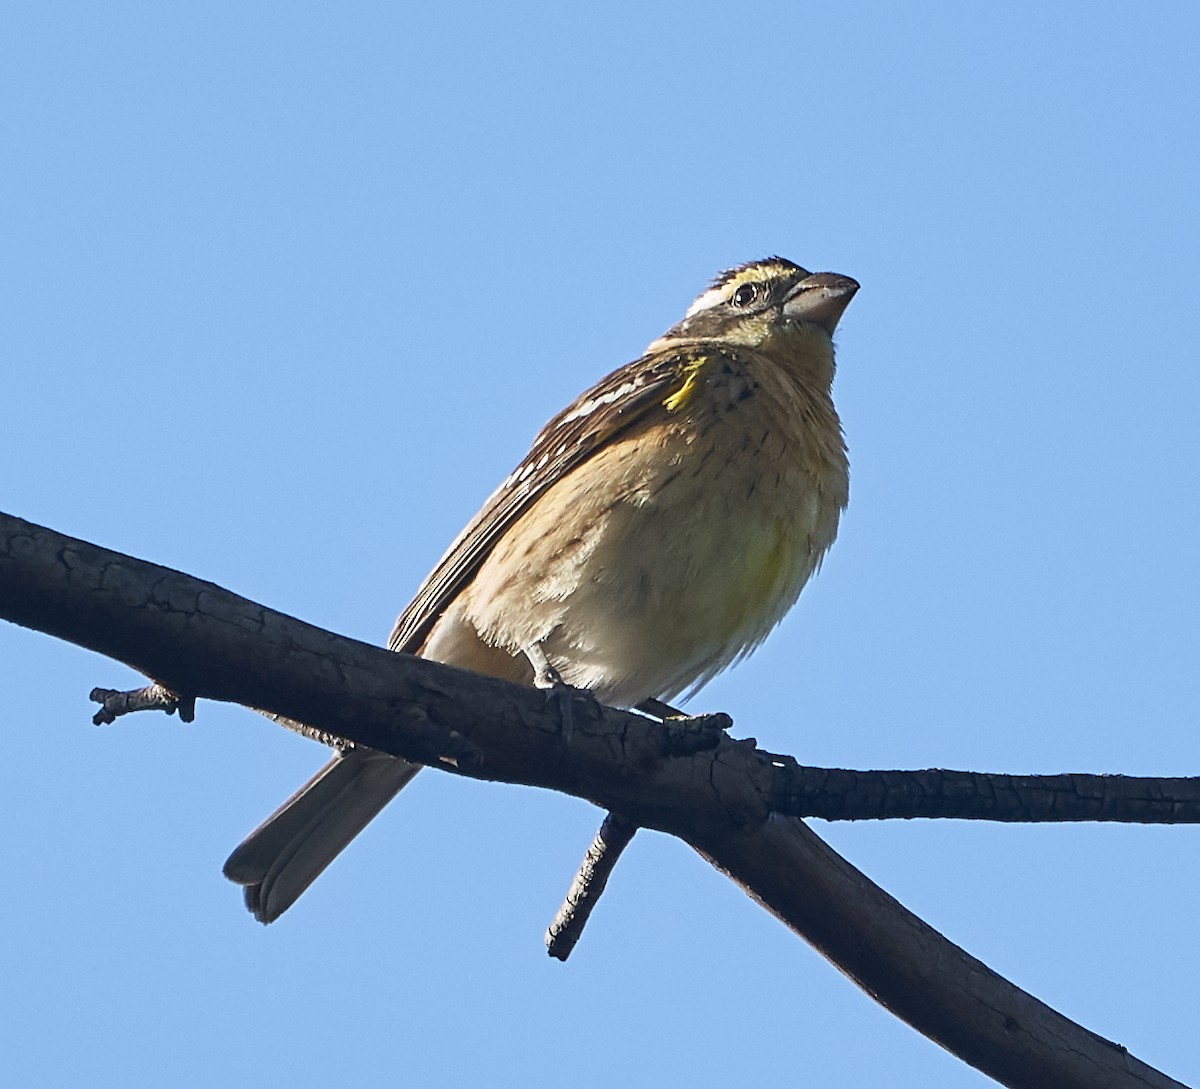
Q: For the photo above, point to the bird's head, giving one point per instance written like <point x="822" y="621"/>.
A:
<point x="772" y="305"/>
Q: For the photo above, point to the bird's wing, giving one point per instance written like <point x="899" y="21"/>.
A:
<point x="656" y="381"/>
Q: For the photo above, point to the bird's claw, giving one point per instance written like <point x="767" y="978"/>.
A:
<point x="558" y="692"/>
<point x="564" y="695"/>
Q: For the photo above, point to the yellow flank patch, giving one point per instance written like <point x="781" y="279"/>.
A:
<point x="758" y="586"/>
<point x="691" y="384"/>
<point x="764" y="579"/>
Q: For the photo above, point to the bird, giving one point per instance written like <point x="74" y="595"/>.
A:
<point x="658" y="529"/>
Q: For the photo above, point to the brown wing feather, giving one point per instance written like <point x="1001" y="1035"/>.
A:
<point x="574" y="435"/>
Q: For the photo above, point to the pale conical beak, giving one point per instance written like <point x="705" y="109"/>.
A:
<point x="821" y="298"/>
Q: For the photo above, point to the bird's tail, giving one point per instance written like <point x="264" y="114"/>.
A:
<point x="289" y="850"/>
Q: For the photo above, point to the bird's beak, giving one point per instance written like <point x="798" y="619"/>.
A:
<point x="821" y="299"/>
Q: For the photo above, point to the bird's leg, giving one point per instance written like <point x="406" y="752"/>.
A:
<point x="544" y="674"/>
<point x="558" y="692"/>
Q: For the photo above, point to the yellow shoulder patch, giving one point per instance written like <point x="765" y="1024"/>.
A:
<point x="690" y="375"/>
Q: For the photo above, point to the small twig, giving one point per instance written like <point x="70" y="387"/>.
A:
<point x="694" y="734"/>
<point x="572" y="916"/>
<point x="154" y="697"/>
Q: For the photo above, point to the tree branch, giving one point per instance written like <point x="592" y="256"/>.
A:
<point x="835" y="794"/>
<point x="711" y="791"/>
<point x="914" y="971"/>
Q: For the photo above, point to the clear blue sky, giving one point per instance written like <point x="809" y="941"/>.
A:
<point x="287" y="288"/>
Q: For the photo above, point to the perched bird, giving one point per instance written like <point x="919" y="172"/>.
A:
<point x="659" y="528"/>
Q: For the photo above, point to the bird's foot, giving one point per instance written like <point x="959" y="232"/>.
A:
<point x="558" y="692"/>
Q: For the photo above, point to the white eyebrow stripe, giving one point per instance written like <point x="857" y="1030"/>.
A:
<point x="714" y="296"/>
<point x="590" y="406"/>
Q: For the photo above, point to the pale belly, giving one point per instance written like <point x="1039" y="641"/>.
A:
<point x="694" y="591"/>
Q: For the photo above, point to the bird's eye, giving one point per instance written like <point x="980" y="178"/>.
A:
<point x="745" y="295"/>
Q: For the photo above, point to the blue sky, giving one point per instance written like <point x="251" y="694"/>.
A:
<point x="289" y="288"/>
